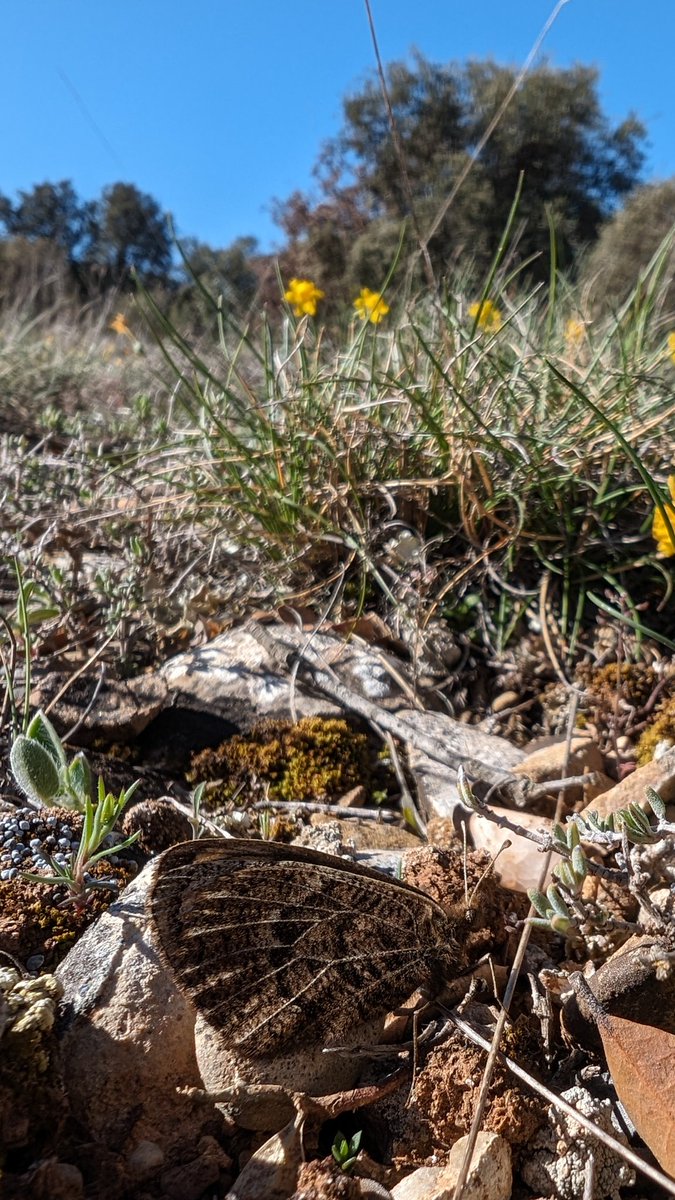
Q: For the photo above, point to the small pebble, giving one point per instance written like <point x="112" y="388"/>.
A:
<point x="505" y="700"/>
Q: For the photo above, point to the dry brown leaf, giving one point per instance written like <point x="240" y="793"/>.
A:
<point x="641" y="1060"/>
<point x="272" y="1170"/>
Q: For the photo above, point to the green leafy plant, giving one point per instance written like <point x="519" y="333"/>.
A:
<point x="345" y="1150"/>
<point x="42" y="771"/>
<point x="99" y="821"/>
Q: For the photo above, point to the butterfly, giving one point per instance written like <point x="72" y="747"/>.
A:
<point x="278" y="945"/>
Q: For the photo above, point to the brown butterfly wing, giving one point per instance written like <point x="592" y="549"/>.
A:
<point x="280" y="944"/>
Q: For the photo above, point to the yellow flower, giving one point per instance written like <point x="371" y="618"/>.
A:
<point x="574" y="331"/>
<point x="486" y="315"/>
<point x="660" y="531"/>
<point x="304" y="296"/>
<point x="371" y="306"/>
<point x="671" y="346"/>
<point x="119" y="324"/>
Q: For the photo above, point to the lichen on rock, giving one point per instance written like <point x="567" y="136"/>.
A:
<point x="32" y="1103"/>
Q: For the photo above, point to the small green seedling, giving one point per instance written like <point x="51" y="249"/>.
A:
<point x="99" y="821"/>
<point x="345" y="1151"/>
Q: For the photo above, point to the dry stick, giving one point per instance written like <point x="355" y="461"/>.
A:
<point x="510" y="987"/>
<point x="543" y="621"/>
<point x="385" y="815"/>
<point x="398" y="148"/>
<point x="495" y="120"/>
<point x="624" y="1152"/>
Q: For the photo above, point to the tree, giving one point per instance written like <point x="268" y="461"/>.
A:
<point x="132" y="233"/>
<point x="573" y="161"/>
<point x="229" y="272"/>
<point x="231" y="276"/>
<point x="54" y="212"/>
<point x="628" y="242"/>
<point x="576" y="164"/>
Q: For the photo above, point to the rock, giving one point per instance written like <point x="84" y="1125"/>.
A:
<point x="550" y="762"/>
<point x="354" y="798"/>
<point x="436" y="787"/>
<point x="519" y="865"/>
<point x="127" y="1038"/>
<point x="145" y="1160"/>
<point x="631" y="984"/>
<point x="237" y="678"/>
<point x="355" y="836"/>
<point x="47" y="1180"/>
<point x="557" y="1161"/>
<point x="505" y="700"/>
<point x="489" y="1177"/>
<point x="259" y="1087"/>
<point x="190" y="1180"/>
<point x="421" y="1184"/>
<point x="122" y="710"/>
<point x="659" y="774"/>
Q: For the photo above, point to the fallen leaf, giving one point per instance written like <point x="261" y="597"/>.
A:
<point x="272" y="1169"/>
<point x="641" y="1060"/>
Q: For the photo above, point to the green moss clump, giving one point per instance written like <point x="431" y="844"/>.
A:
<point x="316" y="759"/>
<point x="662" y="729"/>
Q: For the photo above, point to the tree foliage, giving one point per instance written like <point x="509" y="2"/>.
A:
<point x="56" y="248"/>
<point x="50" y="211"/>
<point x="576" y="166"/>
<point x="627" y="244"/>
<point x="132" y="232"/>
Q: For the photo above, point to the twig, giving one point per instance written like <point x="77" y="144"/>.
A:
<point x="408" y="806"/>
<point x="624" y="1152"/>
<point x="511" y="985"/>
<point x="546" y="636"/>
<point x="440" y="215"/>
<point x="398" y="148"/>
<point x="302" y="806"/>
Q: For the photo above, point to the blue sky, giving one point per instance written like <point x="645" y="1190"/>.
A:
<point x="217" y="106"/>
